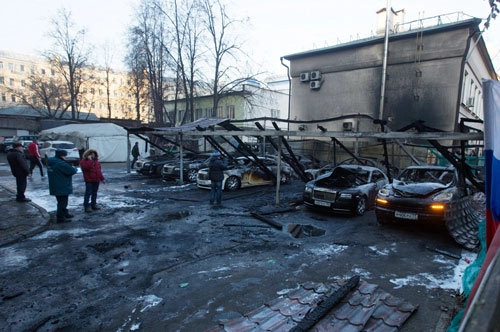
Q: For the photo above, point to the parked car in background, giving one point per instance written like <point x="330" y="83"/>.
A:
<point x="6" y="144"/>
<point x="420" y="194"/>
<point x="191" y="164"/>
<point x="346" y="189"/>
<point x="49" y="148"/>
<point x="244" y="172"/>
<point x="152" y="165"/>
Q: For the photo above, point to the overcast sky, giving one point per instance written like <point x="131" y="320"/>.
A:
<point x="278" y="27"/>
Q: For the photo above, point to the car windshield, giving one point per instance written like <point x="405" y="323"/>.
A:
<point x="345" y="177"/>
<point x="63" y="146"/>
<point x="427" y="175"/>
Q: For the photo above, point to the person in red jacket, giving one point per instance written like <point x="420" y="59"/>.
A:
<point x="92" y="175"/>
<point x="34" y="157"/>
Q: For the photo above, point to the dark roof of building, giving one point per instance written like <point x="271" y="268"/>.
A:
<point x="200" y="124"/>
<point x="366" y="307"/>
<point x="473" y="22"/>
<point x="30" y="112"/>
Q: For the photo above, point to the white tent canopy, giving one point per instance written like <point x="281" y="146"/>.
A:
<point x="108" y="139"/>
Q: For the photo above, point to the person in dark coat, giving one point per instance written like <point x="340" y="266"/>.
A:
<point x="20" y="170"/>
<point x="135" y="154"/>
<point x="92" y="175"/>
<point x="216" y="170"/>
<point x="60" y="175"/>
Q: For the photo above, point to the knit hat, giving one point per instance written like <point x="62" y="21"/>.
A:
<point x="216" y="153"/>
<point x="61" y="153"/>
<point x="17" y="144"/>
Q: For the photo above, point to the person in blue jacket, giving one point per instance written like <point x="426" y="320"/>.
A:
<point x="60" y="175"/>
<point x="216" y="170"/>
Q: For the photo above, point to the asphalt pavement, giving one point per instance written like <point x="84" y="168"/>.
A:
<point x="19" y="220"/>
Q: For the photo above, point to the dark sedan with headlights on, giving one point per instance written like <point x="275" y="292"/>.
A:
<point x="346" y="189"/>
<point x="419" y="194"/>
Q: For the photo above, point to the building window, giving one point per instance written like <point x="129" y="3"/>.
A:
<point x="1" y="64"/>
<point x="11" y="66"/>
<point x="52" y="72"/>
<point x="230" y="111"/>
<point x="21" y="68"/>
<point x="13" y="98"/>
<point x="4" y="98"/>
<point x="220" y="112"/>
<point x="42" y="71"/>
<point x="11" y="82"/>
<point x="2" y="80"/>
<point x="208" y="112"/>
<point x="23" y="83"/>
<point x="92" y="105"/>
<point x="32" y="70"/>
<point x="199" y="113"/>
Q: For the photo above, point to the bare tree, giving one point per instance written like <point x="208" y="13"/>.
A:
<point x="224" y="50"/>
<point x="68" y="55"/>
<point x="137" y="77"/>
<point x="183" y="20"/>
<point x="108" y="60"/>
<point x="45" y="95"/>
<point x="151" y="35"/>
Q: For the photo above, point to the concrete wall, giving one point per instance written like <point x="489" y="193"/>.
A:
<point x="423" y="80"/>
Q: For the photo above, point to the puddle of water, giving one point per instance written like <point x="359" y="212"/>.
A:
<point x="300" y="231"/>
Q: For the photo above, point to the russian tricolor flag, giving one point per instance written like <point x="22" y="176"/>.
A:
<point x="491" y="97"/>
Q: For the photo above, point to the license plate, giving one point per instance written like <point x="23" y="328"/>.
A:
<point x="322" y="203"/>
<point x="406" y="215"/>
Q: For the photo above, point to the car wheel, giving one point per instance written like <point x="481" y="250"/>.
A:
<point x="360" y="208"/>
<point x="192" y="175"/>
<point x="233" y="183"/>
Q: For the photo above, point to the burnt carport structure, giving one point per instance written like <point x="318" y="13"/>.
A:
<point x="206" y="128"/>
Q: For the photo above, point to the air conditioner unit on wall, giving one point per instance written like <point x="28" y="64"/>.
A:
<point x="347" y="126"/>
<point x="304" y="77"/>
<point x="315" y="75"/>
<point x="315" y="85"/>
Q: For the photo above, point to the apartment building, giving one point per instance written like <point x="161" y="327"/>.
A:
<point x="105" y="94"/>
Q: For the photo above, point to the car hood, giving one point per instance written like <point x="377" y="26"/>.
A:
<point x="417" y="189"/>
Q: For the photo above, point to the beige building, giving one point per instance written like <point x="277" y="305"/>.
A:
<point x="17" y="73"/>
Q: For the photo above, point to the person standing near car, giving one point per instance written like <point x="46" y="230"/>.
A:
<point x="34" y="157"/>
<point x="20" y="170"/>
<point x="60" y="175"/>
<point x="135" y="154"/>
<point x="92" y="175"/>
<point x="216" y="170"/>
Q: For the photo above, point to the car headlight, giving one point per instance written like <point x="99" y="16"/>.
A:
<point x="345" y="196"/>
<point x="445" y="196"/>
<point x="384" y="192"/>
<point x="308" y="190"/>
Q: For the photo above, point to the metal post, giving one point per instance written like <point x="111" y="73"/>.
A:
<point x="388" y="11"/>
<point x="278" y="174"/>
